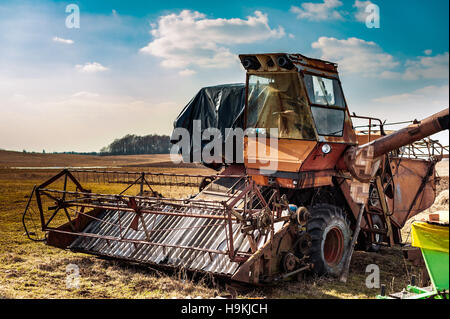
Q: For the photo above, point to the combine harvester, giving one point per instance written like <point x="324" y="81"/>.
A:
<point x="249" y="223"/>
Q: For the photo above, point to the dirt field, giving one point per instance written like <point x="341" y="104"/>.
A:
<point x="17" y="159"/>
<point x="34" y="270"/>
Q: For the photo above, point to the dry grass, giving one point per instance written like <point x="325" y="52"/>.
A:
<point x="34" y="270"/>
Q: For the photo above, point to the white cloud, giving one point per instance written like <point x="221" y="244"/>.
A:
<point x="390" y="75"/>
<point x="417" y="104"/>
<point x="427" y="67"/>
<point x="318" y="11"/>
<point x="361" y="14"/>
<point x="428" y="52"/>
<point x="189" y="38"/>
<point x="409" y="105"/>
<point x="186" y="72"/>
<point x="427" y="99"/>
<point x="62" y="115"/>
<point x="355" y="55"/>
<point x="91" y="67"/>
<point x="85" y="94"/>
<point x="61" y="40"/>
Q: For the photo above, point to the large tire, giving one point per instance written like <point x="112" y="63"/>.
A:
<point x="331" y="234"/>
<point x="377" y="224"/>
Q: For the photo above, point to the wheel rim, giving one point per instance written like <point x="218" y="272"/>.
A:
<point x="333" y="248"/>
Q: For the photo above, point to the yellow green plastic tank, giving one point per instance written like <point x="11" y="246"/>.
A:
<point x="433" y="241"/>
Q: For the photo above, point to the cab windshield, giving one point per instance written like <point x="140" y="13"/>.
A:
<point x="327" y="104"/>
<point x="277" y="100"/>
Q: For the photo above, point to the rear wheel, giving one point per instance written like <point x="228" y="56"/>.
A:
<point x="331" y="234"/>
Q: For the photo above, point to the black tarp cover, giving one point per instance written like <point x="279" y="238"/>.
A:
<point x="220" y="106"/>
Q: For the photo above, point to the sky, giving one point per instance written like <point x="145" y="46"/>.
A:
<point x="131" y="66"/>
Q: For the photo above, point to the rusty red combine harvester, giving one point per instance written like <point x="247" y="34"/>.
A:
<point x="251" y="224"/>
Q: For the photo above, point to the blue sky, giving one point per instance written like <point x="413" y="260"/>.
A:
<point x="133" y="65"/>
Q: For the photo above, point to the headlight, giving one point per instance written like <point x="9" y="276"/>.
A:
<point x="326" y="148"/>
<point x="251" y="63"/>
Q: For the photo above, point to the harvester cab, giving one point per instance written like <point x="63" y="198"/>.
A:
<point x="298" y="104"/>
<point x="307" y="185"/>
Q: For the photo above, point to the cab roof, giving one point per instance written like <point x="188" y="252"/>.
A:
<point x="269" y="62"/>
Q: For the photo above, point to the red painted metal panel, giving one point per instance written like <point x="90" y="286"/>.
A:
<point x="318" y="160"/>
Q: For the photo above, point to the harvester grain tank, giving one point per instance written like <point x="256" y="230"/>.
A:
<point x="250" y="223"/>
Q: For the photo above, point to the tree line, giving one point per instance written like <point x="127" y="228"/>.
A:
<point x="128" y="145"/>
<point x="133" y="144"/>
